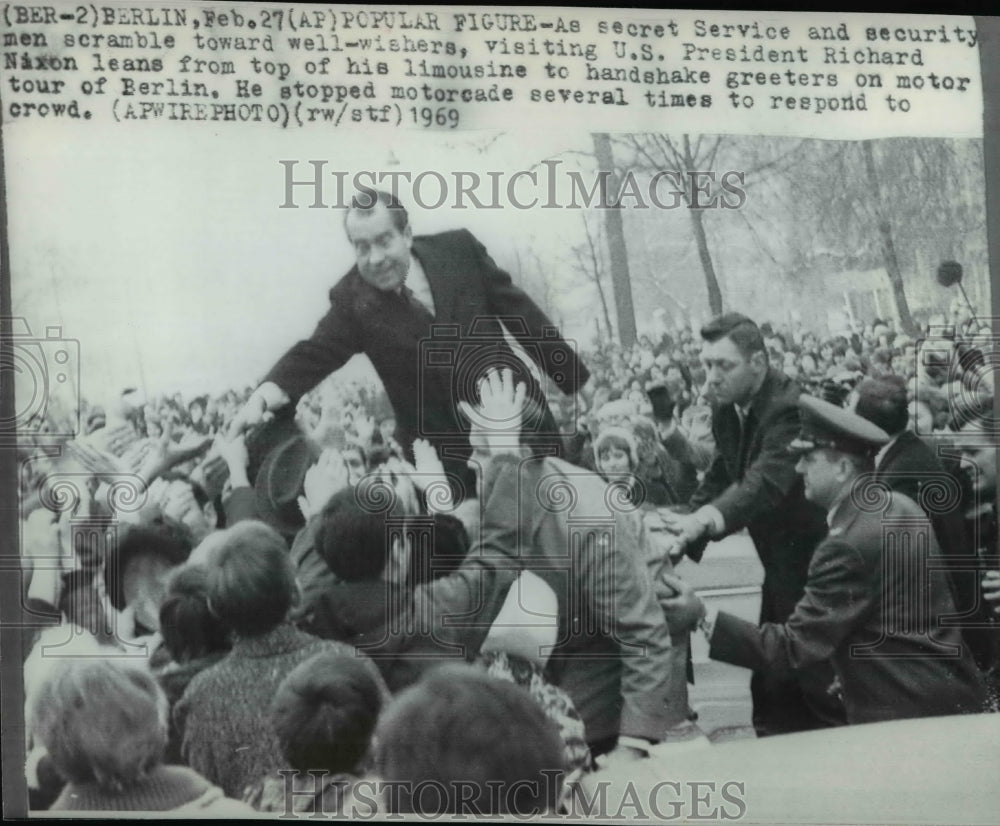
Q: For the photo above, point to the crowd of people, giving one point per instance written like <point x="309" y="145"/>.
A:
<point x="265" y="621"/>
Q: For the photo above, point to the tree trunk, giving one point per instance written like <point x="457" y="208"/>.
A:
<point x="604" y="306"/>
<point x="711" y="281"/>
<point x="888" y="248"/>
<point x="621" y="280"/>
<point x="697" y="223"/>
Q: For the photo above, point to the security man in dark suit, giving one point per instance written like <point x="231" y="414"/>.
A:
<point x="910" y="465"/>
<point x="751" y="483"/>
<point x="427" y="311"/>
<point x="876" y="592"/>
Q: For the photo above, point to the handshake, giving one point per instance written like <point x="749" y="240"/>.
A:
<point x="683" y="533"/>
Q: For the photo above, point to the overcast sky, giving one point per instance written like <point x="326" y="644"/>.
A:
<point x="164" y="251"/>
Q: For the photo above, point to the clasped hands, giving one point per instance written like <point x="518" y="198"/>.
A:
<point x="685" y="530"/>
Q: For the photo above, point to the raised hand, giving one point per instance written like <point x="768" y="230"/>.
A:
<point x="428" y="465"/>
<point x="138" y="454"/>
<point x="322" y="481"/>
<point x="164" y="454"/>
<point x="116" y="439"/>
<point x="497" y="418"/>
<point x="399" y="475"/>
<point x="95" y="458"/>
<point x="213" y="473"/>
<point x="430" y="478"/>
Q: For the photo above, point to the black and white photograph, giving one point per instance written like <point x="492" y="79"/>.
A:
<point x="452" y="413"/>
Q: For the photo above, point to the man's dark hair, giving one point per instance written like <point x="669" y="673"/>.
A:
<point x="739" y="329"/>
<point x="355" y="544"/>
<point x="165" y="541"/>
<point x="351" y="539"/>
<point x="367" y="199"/>
<point x="484" y="744"/>
<point x="251" y="579"/>
<point x="324" y="713"/>
<point x="883" y="402"/>
<point x="189" y="630"/>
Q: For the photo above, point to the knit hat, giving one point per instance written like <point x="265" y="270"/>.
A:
<point x="621" y="435"/>
<point x="619" y="408"/>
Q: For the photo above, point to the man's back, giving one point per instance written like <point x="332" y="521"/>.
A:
<point x="612" y="657"/>
<point x="874" y="603"/>
<point x="222" y="716"/>
<point x="896" y="658"/>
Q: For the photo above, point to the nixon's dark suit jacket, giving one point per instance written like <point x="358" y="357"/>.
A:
<point x="426" y="371"/>
<point x="873" y="605"/>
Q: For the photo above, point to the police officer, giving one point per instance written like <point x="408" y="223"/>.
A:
<point x="875" y="595"/>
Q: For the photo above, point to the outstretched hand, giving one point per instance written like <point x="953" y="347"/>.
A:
<point x="259" y="408"/>
<point x="165" y="453"/>
<point x="686" y="528"/>
<point x="430" y="477"/>
<point x="94" y="458"/>
<point x="497" y="418"/>
<point x="322" y="481"/>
